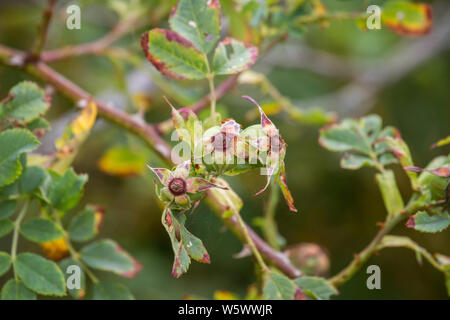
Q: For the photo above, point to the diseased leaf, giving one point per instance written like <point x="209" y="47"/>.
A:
<point x="422" y="221"/>
<point x="65" y="191"/>
<point x="111" y="291"/>
<point x="16" y="290"/>
<point x="73" y="137"/>
<point x="26" y="102"/>
<point x="56" y="249"/>
<point x="66" y="266"/>
<point x="431" y="184"/>
<point x="198" y="21"/>
<point x="233" y="56"/>
<point x="185" y="246"/>
<point x="407" y="18"/>
<point x="107" y="255"/>
<point x="173" y="55"/>
<point x="41" y="230"/>
<point x="40" y="275"/>
<point x="345" y="136"/>
<point x="122" y="161"/>
<point x="401" y="151"/>
<point x="7" y="208"/>
<point x="5" y="263"/>
<point x="318" y="288"/>
<point x="14" y="142"/>
<point x="6" y="226"/>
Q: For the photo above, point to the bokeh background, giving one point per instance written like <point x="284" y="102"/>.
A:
<point x="333" y="68"/>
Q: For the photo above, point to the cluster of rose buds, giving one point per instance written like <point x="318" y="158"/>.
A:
<point x="223" y="149"/>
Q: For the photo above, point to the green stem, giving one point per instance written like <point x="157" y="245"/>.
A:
<point x="270" y="227"/>
<point x="15" y="239"/>
<point x="251" y="244"/>
<point x="364" y="255"/>
<point x="212" y="90"/>
<point x="73" y="253"/>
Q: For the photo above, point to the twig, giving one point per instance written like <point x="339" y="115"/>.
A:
<point x="43" y="29"/>
<point x="94" y="47"/>
<point x="149" y="134"/>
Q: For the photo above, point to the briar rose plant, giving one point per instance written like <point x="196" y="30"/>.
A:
<point x="42" y="196"/>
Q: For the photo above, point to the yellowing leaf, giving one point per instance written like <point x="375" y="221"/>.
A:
<point x="73" y="136"/>
<point x="407" y="18"/>
<point x="55" y="250"/>
<point x="122" y="161"/>
<point x="224" y="295"/>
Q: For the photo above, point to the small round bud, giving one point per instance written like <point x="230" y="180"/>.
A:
<point x="310" y="258"/>
<point x="177" y="186"/>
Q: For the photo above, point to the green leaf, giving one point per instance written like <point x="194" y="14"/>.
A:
<point x="198" y="21"/>
<point x="75" y="293"/>
<point x="173" y="55"/>
<point x="111" y="291"/>
<point x="83" y="226"/>
<point x="14" y="142"/>
<point x="39" y="124"/>
<point x="16" y="290"/>
<point x="31" y="179"/>
<point x="421" y="221"/>
<point x="233" y="56"/>
<point x="7" y="208"/>
<point x="345" y="136"/>
<point x="6" y="226"/>
<point x="353" y="161"/>
<point x="41" y="230"/>
<point x="40" y="275"/>
<point x="391" y="195"/>
<point x="65" y="191"/>
<point x="317" y="288"/>
<point x="407" y="18"/>
<point x="5" y="263"/>
<point x="106" y="255"/>
<point x="27" y="102"/>
<point x="431" y="184"/>
<point x="185" y="246"/>
<point x="401" y="151"/>
<point x="279" y="287"/>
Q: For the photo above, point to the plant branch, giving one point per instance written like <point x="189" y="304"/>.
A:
<point x="149" y="134"/>
<point x="43" y="29"/>
<point x="95" y="47"/>
<point x="15" y="239"/>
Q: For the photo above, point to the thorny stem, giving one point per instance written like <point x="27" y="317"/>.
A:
<point x="373" y="246"/>
<point x="15" y="238"/>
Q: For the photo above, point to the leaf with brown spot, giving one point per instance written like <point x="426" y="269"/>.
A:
<point x="407" y="18"/>
<point x="173" y="55"/>
<point x="233" y="56"/>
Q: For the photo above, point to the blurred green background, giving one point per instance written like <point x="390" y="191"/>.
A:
<point x="338" y="209"/>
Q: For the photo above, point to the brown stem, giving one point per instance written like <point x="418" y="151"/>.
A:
<point x="94" y="47"/>
<point x="148" y="133"/>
